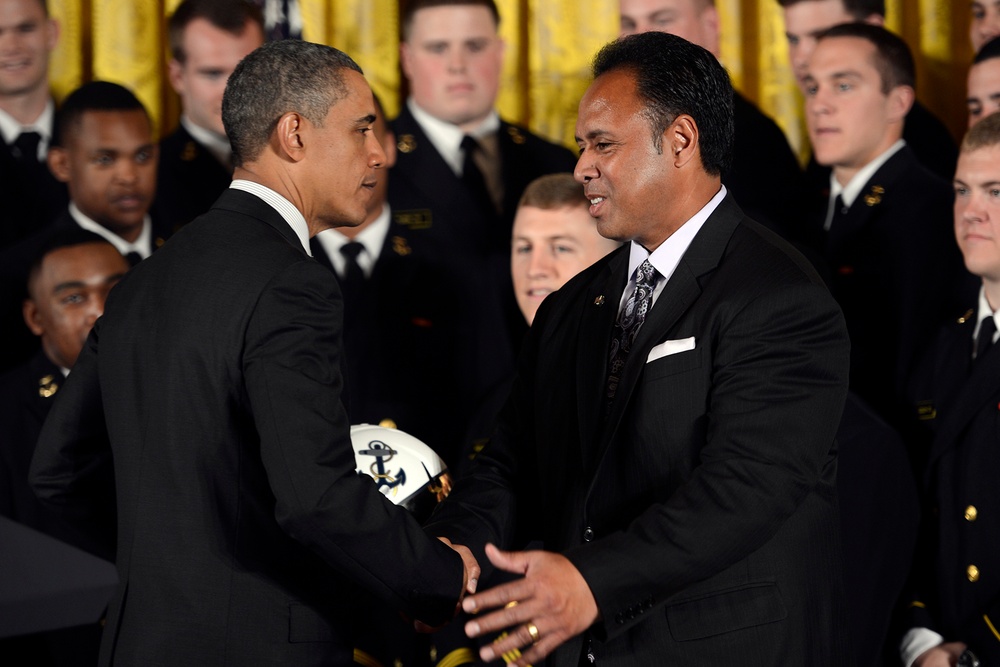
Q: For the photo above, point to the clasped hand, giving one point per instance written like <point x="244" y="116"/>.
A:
<point x="549" y="605"/>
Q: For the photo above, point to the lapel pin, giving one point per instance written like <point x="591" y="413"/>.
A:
<point x="407" y="143"/>
<point x="47" y="386"/>
<point x="599" y="301"/>
<point x="875" y="197"/>
<point x="966" y="316"/>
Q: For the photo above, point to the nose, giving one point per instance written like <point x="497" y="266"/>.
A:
<point x="126" y="171"/>
<point x="585" y="169"/>
<point x="376" y="154"/>
<point x="540" y="263"/>
<point x="971" y="211"/>
<point x="456" y="60"/>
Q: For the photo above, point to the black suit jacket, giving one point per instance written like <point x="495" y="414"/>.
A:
<point x="765" y="177"/>
<point x="32" y="198"/>
<point x="702" y="510"/>
<point x="893" y="266"/>
<point x="959" y="401"/>
<point x="448" y="225"/>
<point x="188" y="179"/>
<point x="243" y="527"/>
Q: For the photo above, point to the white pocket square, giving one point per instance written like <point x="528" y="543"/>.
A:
<point x="669" y="347"/>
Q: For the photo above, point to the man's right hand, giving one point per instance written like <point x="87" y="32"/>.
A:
<point x="942" y="655"/>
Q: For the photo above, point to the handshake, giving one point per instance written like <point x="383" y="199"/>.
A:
<point x="548" y="605"/>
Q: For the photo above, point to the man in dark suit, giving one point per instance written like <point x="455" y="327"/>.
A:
<point x="31" y="196"/>
<point x="69" y="282"/>
<point x="884" y="232"/>
<point x="955" y="394"/>
<point x="926" y="135"/>
<point x="103" y="150"/>
<point x="207" y="40"/>
<point x="764" y="177"/>
<point x="676" y="456"/>
<point x="461" y="168"/>
<point x="244" y="532"/>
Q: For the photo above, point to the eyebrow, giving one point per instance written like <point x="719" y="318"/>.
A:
<point x="366" y="120"/>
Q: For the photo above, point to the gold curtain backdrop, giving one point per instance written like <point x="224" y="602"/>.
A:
<point x="549" y="47"/>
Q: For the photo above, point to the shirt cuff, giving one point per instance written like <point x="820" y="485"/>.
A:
<point x="915" y="642"/>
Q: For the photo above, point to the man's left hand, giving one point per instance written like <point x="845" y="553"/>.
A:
<point x="551" y="605"/>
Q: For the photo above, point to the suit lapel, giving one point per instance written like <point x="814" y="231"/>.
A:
<point x="867" y="204"/>
<point x="677" y="297"/>
<point x="979" y="389"/>
<point x="600" y="309"/>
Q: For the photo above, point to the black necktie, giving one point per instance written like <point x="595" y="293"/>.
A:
<point x="353" y="281"/>
<point x="984" y="339"/>
<point x="133" y="258"/>
<point x="472" y="176"/>
<point x="838" y="211"/>
<point x="25" y="147"/>
<point x="629" y="320"/>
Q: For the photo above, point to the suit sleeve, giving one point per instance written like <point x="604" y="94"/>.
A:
<point x="292" y="371"/>
<point x="72" y="469"/>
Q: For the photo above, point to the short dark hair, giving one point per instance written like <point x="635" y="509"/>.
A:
<point x="983" y="134"/>
<point x="56" y="240"/>
<point x="859" y="9"/>
<point x="92" y="96"/>
<point x="413" y="6"/>
<point x="987" y="51"/>
<point x="280" y="76"/>
<point x="893" y="59"/>
<point x="229" y="16"/>
<point x="554" y="191"/>
<point x="673" y="77"/>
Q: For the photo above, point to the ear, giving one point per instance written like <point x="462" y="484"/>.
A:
<point x="681" y="139"/>
<point x="875" y="19"/>
<point x="53" y="37"/>
<point x="58" y="160"/>
<point x="289" y="135"/>
<point x="900" y="102"/>
<point x="404" y="59"/>
<point x="32" y="317"/>
<point x="174" y="74"/>
<point x="710" y="21"/>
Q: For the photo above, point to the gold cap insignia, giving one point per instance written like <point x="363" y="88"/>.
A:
<point x="515" y="135"/>
<point x="400" y="246"/>
<point x="47" y="386"/>
<point x="875" y="196"/>
<point x="406" y="143"/>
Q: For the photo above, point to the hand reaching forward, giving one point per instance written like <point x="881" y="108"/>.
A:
<point x="470" y="579"/>
<point x="943" y="655"/>
<point x="552" y="604"/>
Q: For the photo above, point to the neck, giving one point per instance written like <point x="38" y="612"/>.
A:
<point x="992" y="290"/>
<point x="27" y="107"/>
<point x="699" y="193"/>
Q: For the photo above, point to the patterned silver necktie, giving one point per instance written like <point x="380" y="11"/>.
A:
<point x="629" y="320"/>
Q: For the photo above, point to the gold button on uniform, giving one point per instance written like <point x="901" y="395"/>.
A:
<point x="972" y="572"/>
<point x="971" y="513"/>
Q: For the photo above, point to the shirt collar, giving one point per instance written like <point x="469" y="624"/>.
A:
<point x="10" y="128"/>
<point x="984" y="311"/>
<point x="142" y="245"/>
<point x="668" y="255"/>
<point x="371" y="237"/>
<point x="217" y="145"/>
<point x="848" y="193"/>
<point x="447" y="137"/>
<point x="285" y="208"/>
